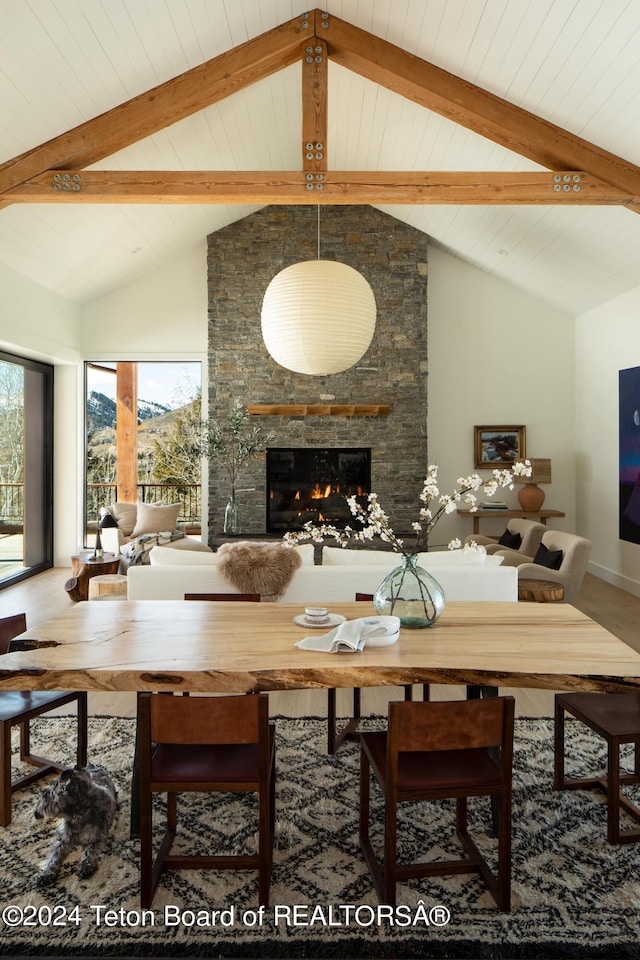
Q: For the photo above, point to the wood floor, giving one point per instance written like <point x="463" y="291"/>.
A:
<point x="44" y="596"/>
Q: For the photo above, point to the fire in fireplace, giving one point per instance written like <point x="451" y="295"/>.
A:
<point x="310" y="483"/>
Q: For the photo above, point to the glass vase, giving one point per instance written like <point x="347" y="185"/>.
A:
<point x="232" y="518"/>
<point x="412" y="594"/>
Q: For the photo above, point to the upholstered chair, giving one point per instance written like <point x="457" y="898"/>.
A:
<point x="529" y="531"/>
<point x="121" y="523"/>
<point x="562" y="557"/>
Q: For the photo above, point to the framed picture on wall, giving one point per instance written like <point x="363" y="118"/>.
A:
<point x="498" y="446"/>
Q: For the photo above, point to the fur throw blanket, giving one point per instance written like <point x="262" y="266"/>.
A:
<point x="258" y="567"/>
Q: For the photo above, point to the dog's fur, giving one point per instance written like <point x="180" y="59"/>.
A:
<point x="87" y="801"/>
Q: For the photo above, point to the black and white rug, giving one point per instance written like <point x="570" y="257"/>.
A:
<point x="573" y="894"/>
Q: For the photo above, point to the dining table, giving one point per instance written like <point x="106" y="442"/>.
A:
<point x="224" y="647"/>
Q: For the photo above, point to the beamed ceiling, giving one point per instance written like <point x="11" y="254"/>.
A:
<point x="507" y="131"/>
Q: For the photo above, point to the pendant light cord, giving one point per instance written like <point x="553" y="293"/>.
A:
<point x="318" y="231"/>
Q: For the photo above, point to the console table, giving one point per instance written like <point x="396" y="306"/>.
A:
<point x="478" y="515"/>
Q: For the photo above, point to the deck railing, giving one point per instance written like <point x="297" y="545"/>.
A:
<point x="188" y="494"/>
<point x="11" y="505"/>
<point x="101" y="495"/>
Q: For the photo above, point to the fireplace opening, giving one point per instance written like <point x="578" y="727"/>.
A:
<point x="308" y="483"/>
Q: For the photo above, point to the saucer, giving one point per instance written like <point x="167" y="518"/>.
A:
<point x="333" y="619"/>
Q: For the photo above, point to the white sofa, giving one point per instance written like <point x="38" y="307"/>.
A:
<point x="342" y="573"/>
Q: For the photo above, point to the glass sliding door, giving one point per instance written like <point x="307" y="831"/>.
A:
<point x="26" y="468"/>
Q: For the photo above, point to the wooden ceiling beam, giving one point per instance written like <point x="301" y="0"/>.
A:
<point x="314" y="108"/>
<point x="334" y="187"/>
<point x="163" y="105"/>
<point x="472" y="107"/>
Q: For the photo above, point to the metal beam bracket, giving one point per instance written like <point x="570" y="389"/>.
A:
<point x="566" y="182"/>
<point x="66" y="181"/>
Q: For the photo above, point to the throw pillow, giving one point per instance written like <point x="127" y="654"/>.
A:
<point x="512" y="540"/>
<point x="342" y="556"/>
<point x="168" y="557"/>
<point x="155" y="518"/>
<point x="548" y="558"/>
<point x="125" y="514"/>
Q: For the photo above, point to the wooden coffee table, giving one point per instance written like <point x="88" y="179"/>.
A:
<point x="83" y="568"/>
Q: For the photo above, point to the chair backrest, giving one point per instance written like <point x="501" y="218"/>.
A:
<point x="203" y="720"/>
<point x="246" y="597"/>
<point x="575" y="556"/>
<point x="530" y="532"/>
<point x="10" y="627"/>
<point x="420" y="726"/>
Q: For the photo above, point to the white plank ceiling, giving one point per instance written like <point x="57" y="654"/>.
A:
<point x="575" y="63"/>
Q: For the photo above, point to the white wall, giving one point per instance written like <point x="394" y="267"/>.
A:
<point x="607" y="341"/>
<point x="160" y="317"/>
<point x="36" y="323"/>
<point x="497" y="357"/>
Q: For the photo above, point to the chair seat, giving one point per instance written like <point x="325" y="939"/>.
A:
<point x="437" y="770"/>
<point x="616" y="718"/>
<point x="17" y="704"/>
<point x="206" y="763"/>
<point x="610" y="714"/>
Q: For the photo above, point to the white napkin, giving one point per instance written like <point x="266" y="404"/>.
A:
<point x="353" y="636"/>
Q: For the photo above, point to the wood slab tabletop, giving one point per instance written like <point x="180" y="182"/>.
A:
<point x="248" y="647"/>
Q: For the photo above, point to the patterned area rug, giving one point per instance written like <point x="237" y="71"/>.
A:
<point x="574" y="895"/>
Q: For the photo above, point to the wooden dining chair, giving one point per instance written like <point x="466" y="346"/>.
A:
<point x="336" y="737"/>
<point x="134" y="821"/>
<point x="18" y="708"/>
<point x="616" y="718"/>
<point x="245" y="597"/>
<point x="211" y="745"/>
<point x="437" y="751"/>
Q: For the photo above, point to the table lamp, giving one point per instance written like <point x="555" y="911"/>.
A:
<point x="530" y="496"/>
<point x="106" y="520"/>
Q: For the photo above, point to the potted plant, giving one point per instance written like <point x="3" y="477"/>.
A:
<point x="231" y="442"/>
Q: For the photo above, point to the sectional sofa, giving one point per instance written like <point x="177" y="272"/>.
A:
<point x="343" y="572"/>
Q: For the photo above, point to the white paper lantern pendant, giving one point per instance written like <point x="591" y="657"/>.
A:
<point x="318" y="317"/>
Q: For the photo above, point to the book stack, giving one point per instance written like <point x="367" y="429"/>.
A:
<point x="493" y="505"/>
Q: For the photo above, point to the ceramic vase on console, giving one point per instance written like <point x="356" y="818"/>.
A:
<point x="232" y="517"/>
<point x="412" y="594"/>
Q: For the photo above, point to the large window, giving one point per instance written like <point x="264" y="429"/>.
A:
<point x="142" y="422"/>
<point x="26" y="468"/>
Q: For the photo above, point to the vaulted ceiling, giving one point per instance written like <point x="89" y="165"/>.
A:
<point x="509" y="131"/>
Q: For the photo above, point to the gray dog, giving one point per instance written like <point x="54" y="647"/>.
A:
<point x="87" y="801"/>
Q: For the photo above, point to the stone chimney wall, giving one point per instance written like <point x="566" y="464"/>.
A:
<point x="242" y="260"/>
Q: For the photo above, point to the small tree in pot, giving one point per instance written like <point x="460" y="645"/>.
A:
<point x="231" y="443"/>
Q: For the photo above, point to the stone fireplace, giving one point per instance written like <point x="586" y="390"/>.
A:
<point x="310" y="484"/>
<point x="242" y="260"/>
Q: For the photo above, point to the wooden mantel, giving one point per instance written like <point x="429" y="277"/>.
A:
<point x="319" y="409"/>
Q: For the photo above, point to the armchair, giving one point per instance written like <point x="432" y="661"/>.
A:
<point x="574" y="552"/>
<point x="134" y="520"/>
<point x="529" y="531"/>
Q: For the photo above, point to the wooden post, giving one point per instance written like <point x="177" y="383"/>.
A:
<point x="127" y="431"/>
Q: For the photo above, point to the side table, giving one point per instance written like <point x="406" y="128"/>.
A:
<point x="540" y="591"/>
<point x="83" y="568"/>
